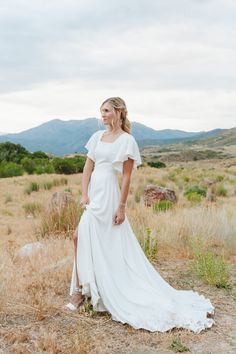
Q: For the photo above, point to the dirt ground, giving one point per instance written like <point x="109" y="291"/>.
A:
<point x="25" y="329"/>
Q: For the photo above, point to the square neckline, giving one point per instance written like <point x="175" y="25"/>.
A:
<point x="109" y="142"/>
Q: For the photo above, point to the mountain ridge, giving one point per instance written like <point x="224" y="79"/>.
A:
<point x="62" y="137"/>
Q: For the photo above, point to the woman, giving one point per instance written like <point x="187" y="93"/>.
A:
<point x="110" y="265"/>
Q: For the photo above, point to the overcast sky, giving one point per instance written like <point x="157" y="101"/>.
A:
<point x="172" y="61"/>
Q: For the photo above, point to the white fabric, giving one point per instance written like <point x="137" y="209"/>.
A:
<point x="112" y="266"/>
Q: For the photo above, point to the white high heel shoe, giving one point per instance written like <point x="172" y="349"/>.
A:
<point x="75" y="305"/>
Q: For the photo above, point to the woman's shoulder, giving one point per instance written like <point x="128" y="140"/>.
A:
<point x="129" y="137"/>
<point x="97" y="133"/>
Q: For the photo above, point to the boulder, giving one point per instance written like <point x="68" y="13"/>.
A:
<point x="153" y="193"/>
<point x="30" y="248"/>
<point x="60" y="200"/>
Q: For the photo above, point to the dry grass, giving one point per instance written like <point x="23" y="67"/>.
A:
<point x="33" y="289"/>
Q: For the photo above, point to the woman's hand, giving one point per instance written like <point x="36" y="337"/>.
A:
<point x="83" y="201"/>
<point x="119" y="216"/>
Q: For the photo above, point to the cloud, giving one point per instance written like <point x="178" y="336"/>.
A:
<point x="176" y="109"/>
<point x="179" y="50"/>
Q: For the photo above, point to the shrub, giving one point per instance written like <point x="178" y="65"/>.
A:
<point x="10" y="169"/>
<point x="194" y="197"/>
<point x="44" y="168"/>
<point x="211" y="268"/>
<point x="32" y="187"/>
<point x="47" y="185"/>
<point x="195" y="189"/>
<point x="186" y="179"/>
<point x="157" y="164"/>
<point x="219" y="178"/>
<point x="162" y="205"/>
<point x="64" y="166"/>
<point x="221" y="191"/>
<point x="28" y="165"/>
<point x="39" y="155"/>
<point x="178" y="347"/>
<point x="79" y="162"/>
<point x="10" y="152"/>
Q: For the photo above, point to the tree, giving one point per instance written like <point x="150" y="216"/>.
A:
<point x="12" y="152"/>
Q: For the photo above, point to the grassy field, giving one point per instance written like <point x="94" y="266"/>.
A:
<point x="192" y="244"/>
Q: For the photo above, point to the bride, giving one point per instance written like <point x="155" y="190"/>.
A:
<point x="109" y="263"/>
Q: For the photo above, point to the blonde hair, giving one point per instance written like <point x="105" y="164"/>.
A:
<point x="119" y="106"/>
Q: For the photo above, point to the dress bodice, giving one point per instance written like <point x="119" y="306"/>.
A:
<point x="111" y="155"/>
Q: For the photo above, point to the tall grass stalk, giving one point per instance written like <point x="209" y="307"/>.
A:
<point x="150" y="244"/>
<point x="61" y="221"/>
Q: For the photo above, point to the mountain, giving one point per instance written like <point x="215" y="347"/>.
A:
<point x="225" y="138"/>
<point x="64" y="137"/>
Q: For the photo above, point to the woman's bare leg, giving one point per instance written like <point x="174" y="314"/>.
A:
<point x="75" y="240"/>
<point x="77" y="295"/>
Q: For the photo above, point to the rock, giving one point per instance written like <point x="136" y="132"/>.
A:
<point x="211" y="195"/>
<point x="29" y="249"/>
<point x="208" y="182"/>
<point x="60" y="200"/>
<point x="154" y="193"/>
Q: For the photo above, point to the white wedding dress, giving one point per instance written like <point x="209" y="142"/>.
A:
<point x="112" y="266"/>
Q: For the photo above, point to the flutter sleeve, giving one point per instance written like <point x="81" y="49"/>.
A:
<point x="127" y="149"/>
<point x="91" y="145"/>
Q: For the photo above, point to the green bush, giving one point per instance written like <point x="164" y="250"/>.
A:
<point x="28" y="165"/>
<point x="10" y="152"/>
<point x="41" y="169"/>
<point x="10" y="169"/>
<point x="79" y="162"/>
<point x="194" y="197"/>
<point x="195" y="189"/>
<point x="162" y="205"/>
<point x="64" y="166"/>
<point x="157" y="164"/>
<point x="178" y="347"/>
<point x="219" y="178"/>
<point x="211" y="268"/>
<point x="39" y="155"/>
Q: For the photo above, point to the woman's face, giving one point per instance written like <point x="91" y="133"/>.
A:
<point x="108" y="114"/>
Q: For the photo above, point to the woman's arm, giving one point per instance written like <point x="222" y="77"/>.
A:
<point x="127" y="171"/>
<point x="87" y="171"/>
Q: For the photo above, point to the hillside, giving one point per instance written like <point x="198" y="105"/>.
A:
<point x="224" y="138"/>
<point x="65" y="137"/>
<point x="222" y="146"/>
